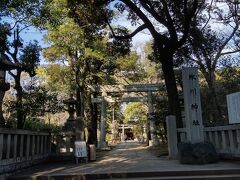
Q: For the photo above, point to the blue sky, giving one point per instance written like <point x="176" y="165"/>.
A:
<point x="31" y="33"/>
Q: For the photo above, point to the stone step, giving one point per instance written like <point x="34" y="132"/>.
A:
<point x="205" y="177"/>
<point x="221" y="174"/>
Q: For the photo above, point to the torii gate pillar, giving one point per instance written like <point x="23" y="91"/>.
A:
<point x="154" y="141"/>
<point x="102" y="142"/>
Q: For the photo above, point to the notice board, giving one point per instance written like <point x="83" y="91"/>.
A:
<point x="80" y="149"/>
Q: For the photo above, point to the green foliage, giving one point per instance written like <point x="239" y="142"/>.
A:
<point x="36" y="103"/>
<point x="92" y="15"/>
<point x="136" y="112"/>
<point x="227" y="82"/>
<point x="4" y="33"/>
<point x="38" y="125"/>
<point x="56" y="78"/>
<point x="39" y="101"/>
<point x="30" y="58"/>
<point x="129" y="69"/>
<point x="22" y="10"/>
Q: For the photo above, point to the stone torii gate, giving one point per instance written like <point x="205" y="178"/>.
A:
<point x="108" y="89"/>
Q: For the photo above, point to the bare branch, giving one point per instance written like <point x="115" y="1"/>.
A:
<point x="230" y="52"/>
<point x="209" y="16"/>
<point x="13" y="75"/>
<point x="219" y="53"/>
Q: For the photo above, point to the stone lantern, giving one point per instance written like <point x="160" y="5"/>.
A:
<point x="5" y="65"/>
<point x="71" y="121"/>
<point x="70" y="126"/>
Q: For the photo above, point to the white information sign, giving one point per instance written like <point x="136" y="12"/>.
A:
<point x="233" y="104"/>
<point x="80" y="149"/>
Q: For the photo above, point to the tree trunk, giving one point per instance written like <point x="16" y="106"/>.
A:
<point x="213" y="95"/>
<point x="2" y="121"/>
<point x="94" y="120"/>
<point x="170" y="82"/>
<point x="78" y="104"/>
<point x="19" y="105"/>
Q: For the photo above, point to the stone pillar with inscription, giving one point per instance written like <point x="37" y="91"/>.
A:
<point x="192" y="105"/>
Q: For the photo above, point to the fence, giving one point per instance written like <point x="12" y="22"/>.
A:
<point x="21" y="148"/>
<point x="64" y="143"/>
<point x="226" y="139"/>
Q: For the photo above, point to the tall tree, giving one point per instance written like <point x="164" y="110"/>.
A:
<point x="88" y="53"/>
<point x="210" y="48"/>
<point x="168" y="22"/>
<point x="19" y="13"/>
<point x="29" y="58"/>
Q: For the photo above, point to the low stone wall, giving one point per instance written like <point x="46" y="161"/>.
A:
<point x="22" y="148"/>
<point x="226" y="139"/>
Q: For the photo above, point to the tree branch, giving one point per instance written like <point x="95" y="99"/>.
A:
<point x="127" y="36"/>
<point x="148" y="6"/>
<point x="13" y="75"/>
<point x="188" y="16"/>
<point x="219" y="53"/>
<point x="230" y="52"/>
<point x="145" y="19"/>
<point x="209" y="16"/>
<point x="170" y="24"/>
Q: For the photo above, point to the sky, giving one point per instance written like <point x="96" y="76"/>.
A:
<point x="32" y="33"/>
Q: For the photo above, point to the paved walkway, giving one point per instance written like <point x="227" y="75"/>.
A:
<point x="125" y="157"/>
